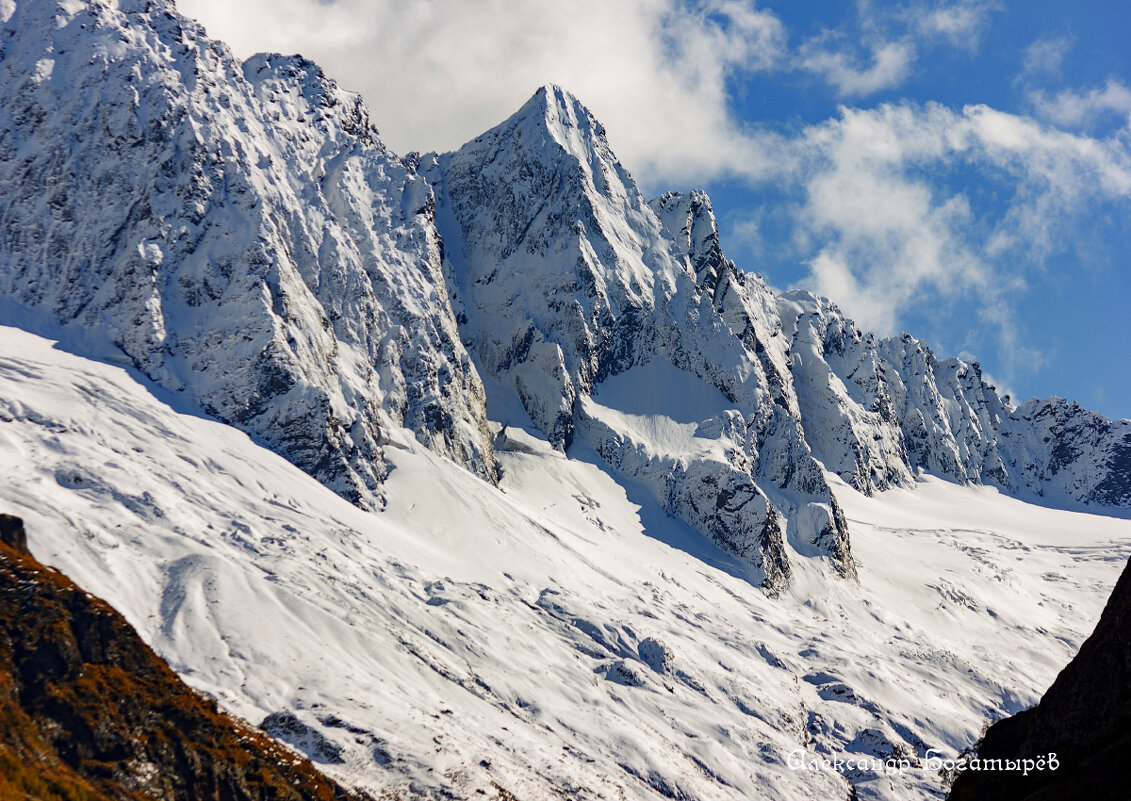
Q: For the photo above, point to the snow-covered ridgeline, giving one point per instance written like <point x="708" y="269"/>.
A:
<point x="238" y="231"/>
<point x="566" y="278"/>
<point x="877" y="410"/>
<point x="241" y="234"/>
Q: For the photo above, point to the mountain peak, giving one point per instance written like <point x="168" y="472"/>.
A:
<point x="553" y="114"/>
<point x="257" y="186"/>
<point x="555" y="103"/>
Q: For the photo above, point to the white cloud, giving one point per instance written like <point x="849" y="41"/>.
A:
<point x="1045" y="56"/>
<point x="438" y="73"/>
<point x="961" y="23"/>
<point x="891" y="237"/>
<point x="1075" y="109"/>
<point x="887" y="66"/>
<point x="744" y="230"/>
<point x="656" y="72"/>
<point x="879" y="48"/>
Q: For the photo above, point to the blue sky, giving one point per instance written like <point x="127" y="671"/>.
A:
<point x="957" y="169"/>
<point x="1066" y="318"/>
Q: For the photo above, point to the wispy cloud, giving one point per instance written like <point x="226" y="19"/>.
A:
<point x="1085" y="109"/>
<point x="1045" y="56"/>
<point x="961" y="23"/>
<point x="878" y="48"/>
<point x="890" y="237"/>
<point x="887" y="65"/>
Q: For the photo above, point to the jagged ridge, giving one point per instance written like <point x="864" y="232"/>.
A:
<point x="876" y="411"/>
<point x="238" y="231"/>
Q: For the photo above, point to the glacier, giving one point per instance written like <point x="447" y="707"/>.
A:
<point x="559" y="634"/>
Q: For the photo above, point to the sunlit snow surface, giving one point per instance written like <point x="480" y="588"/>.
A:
<point x="555" y="638"/>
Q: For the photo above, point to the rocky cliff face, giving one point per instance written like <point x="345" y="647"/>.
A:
<point x="1084" y="720"/>
<point x="240" y="233"/>
<point x="237" y="230"/>
<point x="91" y="714"/>
<point x="876" y="411"/>
<point x="578" y="298"/>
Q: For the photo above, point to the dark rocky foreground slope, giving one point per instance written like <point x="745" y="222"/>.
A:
<point x="1084" y="718"/>
<point x="90" y="713"/>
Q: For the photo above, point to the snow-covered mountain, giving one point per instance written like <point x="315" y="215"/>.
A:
<point x="239" y="233"/>
<point x="237" y="230"/>
<point x="876" y="411"/>
<point x="589" y="316"/>
<point x="618" y="474"/>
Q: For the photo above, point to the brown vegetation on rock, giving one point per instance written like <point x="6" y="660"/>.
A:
<point x="90" y="713"/>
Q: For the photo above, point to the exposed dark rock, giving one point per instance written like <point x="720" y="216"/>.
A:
<point x="1084" y="719"/>
<point x="90" y="713"/>
<point x="12" y="533"/>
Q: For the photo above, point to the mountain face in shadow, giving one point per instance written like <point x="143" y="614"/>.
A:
<point x="91" y="713"/>
<point x="1084" y="718"/>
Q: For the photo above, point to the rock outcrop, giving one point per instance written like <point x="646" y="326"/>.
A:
<point x="92" y="714"/>
<point x="1084" y="720"/>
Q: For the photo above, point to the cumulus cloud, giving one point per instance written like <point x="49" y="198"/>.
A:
<point x="438" y="73"/>
<point x="658" y="73"/>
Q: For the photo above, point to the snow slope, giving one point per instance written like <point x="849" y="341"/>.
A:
<point x="557" y="635"/>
